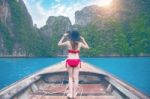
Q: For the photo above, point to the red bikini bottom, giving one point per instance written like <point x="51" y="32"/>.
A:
<point x="73" y="62"/>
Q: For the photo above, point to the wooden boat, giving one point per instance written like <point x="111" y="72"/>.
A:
<point x="51" y="83"/>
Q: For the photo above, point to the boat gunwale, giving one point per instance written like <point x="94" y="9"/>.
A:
<point x="79" y="73"/>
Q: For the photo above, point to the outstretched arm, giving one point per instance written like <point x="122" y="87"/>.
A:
<point x="61" y="43"/>
<point x="84" y="44"/>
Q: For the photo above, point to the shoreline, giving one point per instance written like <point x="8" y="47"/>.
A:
<point x="66" y="56"/>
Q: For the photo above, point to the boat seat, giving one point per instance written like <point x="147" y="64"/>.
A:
<point x="85" y="91"/>
<point x="51" y="90"/>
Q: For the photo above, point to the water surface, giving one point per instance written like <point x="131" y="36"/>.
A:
<point x="132" y="70"/>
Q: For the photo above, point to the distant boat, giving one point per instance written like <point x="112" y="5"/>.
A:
<point x="51" y="83"/>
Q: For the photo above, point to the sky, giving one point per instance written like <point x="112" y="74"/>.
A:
<point x="40" y="10"/>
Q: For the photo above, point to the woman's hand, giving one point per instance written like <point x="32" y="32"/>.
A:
<point x="61" y="42"/>
<point x="65" y="34"/>
<point x="82" y="38"/>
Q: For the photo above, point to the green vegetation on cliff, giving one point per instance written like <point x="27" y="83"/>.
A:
<point x="125" y="32"/>
<point x="128" y="38"/>
<point x="8" y="42"/>
<point x="25" y="34"/>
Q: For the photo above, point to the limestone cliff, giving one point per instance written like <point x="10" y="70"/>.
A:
<point x="122" y="29"/>
<point x="16" y="27"/>
<point x="52" y="32"/>
<point x="56" y="25"/>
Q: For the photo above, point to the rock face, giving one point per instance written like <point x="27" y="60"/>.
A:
<point x="119" y="30"/>
<point x="14" y="21"/>
<point x="120" y="9"/>
<point x="4" y="14"/>
<point x="52" y="32"/>
<point x="87" y="15"/>
<point x="4" y="11"/>
<point x="56" y="25"/>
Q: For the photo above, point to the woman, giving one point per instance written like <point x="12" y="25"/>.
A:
<point x="73" y="63"/>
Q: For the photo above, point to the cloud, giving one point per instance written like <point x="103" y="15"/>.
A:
<point x="37" y="12"/>
<point x="40" y="14"/>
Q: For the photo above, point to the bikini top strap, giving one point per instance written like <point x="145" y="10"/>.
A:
<point x="73" y="51"/>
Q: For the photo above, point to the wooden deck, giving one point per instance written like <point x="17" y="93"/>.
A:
<point x="78" y="97"/>
<point x="85" y="91"/>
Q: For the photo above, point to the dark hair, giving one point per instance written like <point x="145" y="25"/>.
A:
<point x="74" y="37"/>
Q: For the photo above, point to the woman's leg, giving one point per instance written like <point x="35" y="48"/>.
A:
<point x="70" y="75"/>
<point x="75" y="80"/>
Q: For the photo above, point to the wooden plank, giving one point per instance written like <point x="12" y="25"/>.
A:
<point x="78" y="97"/>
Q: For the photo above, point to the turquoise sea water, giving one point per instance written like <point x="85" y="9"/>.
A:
<point x="132" y="70"/>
